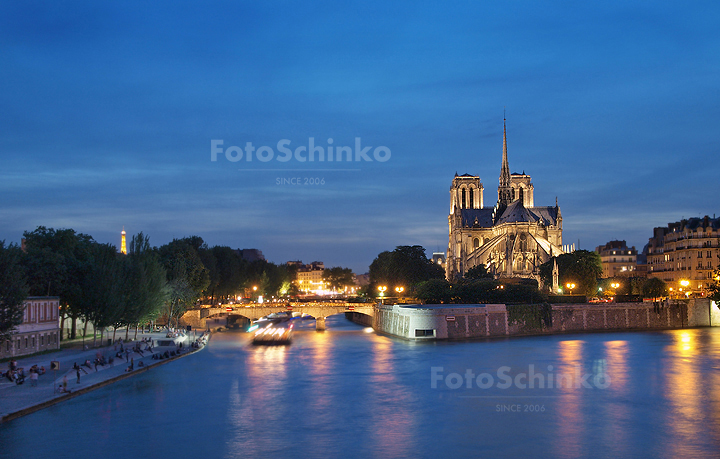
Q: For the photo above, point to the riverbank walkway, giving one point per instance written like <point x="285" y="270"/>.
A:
<point x="20" y="399"/>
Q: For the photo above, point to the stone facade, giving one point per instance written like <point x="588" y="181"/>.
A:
<point x="511" y="239"/>
<point x="39" y="331"/>
<point x="685" y="250"/>
<point x="617" y="259"/>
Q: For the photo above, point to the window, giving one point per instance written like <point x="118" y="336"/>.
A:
<point x="424" y="332"/>
<point x="476" y="243"/>
<point x="471" y="202"/>
<point x="462" y="200"/>
<point x="520" y="194"/>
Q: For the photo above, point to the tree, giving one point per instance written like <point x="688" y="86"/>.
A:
<point x="714" y="286"/>
<point x="654" y="288"/>
<point x="406" y="266"/>
<point x="338" y="278"/>
<point x="434" y="291"/>
<point x="186" y="275"/>
<point x="581" y="267"/>
<point x="55" y="261"/>
<point x="147" y="291"/>
<point x="13" y="289"/>
<point x="478" y="272"/>
<point x="105" y="284"/>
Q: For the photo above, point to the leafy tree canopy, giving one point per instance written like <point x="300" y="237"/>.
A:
<point x="13" y="289"/>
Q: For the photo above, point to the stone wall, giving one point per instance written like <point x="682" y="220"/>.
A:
<point x="476" y="321"/>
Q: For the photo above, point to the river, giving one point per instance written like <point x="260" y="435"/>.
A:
<point x="348" y="392"/>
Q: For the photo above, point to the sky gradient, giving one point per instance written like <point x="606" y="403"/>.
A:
<point x="108" y="112"/>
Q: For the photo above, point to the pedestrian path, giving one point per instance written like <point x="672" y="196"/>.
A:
<point x="15" y="399"/>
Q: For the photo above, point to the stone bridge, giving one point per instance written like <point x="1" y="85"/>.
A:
<point x="199" y="318"/>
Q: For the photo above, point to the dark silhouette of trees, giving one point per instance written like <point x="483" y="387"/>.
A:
<point x="406" y="266"/>
<point x="13" y="289"/>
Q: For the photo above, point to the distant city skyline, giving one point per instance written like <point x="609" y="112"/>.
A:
<point x="110" y="110"/>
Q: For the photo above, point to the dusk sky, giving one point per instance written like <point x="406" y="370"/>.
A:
<point x="107" y="113"/>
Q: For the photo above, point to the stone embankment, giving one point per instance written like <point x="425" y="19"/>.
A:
<point x="459" y="321"/>
<point x="19" y="400"/>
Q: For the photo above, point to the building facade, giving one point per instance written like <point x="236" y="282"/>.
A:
<point x="512" y="238"/>
<point x="39" y="331"/>
<point x="309" y="277"/>
<point x="685" y="251"/>
<point x="618" y="259"/>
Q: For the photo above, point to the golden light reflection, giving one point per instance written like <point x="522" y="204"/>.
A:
<point x="616" y="408"/>
<point x="683" y="389"/>
<point x="570" y="425"/>
<point x="392" y="422"/>
<point x="616" y="364"/>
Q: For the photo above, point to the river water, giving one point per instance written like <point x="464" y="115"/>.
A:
<point x="348" y="392"/>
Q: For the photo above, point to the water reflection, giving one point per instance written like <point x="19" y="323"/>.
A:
<point x="683" y="390"/>
<point x="570" y="425"/>
<point x="356" y="394"/>
<point x="391" y="421"/>
<point x="616" y="409"/>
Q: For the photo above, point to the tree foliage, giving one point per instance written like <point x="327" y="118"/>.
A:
<point x="581" y="267"/>
<point x="714" y="286"/>
<point x="338" y="278"/>
<point x="13" y="289"/>
<point x="406" y="266"/>
<point x="654" y="288"/>
<point x="478" y="272"/>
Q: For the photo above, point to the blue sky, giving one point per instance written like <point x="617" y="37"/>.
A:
<point x="108" y="111"/>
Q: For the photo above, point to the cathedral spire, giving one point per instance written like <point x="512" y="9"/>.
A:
<point x="504" y="190"/>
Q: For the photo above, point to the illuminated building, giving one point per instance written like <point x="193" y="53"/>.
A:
<point x="39" y="330"/>
<point x="310" y="278"/>
<point x="685" y="251"/>
<point x="617" y="259"/>
<point x="513" y="238"/>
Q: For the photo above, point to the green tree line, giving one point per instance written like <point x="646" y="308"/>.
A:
<point x="108" y="289"/>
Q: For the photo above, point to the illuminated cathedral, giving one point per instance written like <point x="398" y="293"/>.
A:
<point x="512" y="238"/>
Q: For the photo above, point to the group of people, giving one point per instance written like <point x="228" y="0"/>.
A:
<point x="17" y="375"/>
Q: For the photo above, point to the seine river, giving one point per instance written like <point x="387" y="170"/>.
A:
<point x="348" y="392"/>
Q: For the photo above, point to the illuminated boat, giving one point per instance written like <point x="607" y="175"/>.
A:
<point x="271" y="334"/>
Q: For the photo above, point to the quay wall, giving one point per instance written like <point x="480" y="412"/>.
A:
<point x="428" y="322"/>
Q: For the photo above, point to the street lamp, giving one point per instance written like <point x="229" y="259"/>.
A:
<point x="685" y="283"/>
<point x="399" y="289"/>
<point x="570" y="287"/>
<point x="382" y="289"/>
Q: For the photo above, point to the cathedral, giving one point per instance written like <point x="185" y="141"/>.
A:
<point x="512" y="238"/>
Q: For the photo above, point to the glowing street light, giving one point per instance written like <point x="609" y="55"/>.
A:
<point x="382" y="289"/>
<point x="570" y="286"/>
<point x="399" y="289"/>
